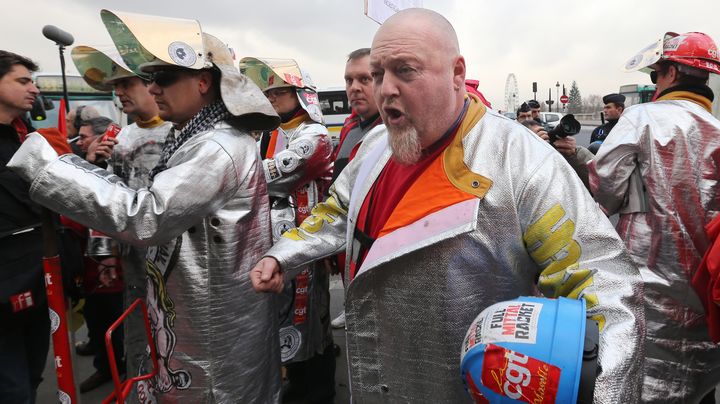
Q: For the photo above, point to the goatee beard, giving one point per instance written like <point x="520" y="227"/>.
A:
<point x="405" y="144"/>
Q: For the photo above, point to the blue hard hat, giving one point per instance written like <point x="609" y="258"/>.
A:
<point x="531" y="350"/>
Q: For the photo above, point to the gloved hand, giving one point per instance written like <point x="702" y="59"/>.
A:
<point x="57" y="140"/>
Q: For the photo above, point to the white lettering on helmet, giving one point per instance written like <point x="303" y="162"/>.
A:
<point x="516" y="374"/>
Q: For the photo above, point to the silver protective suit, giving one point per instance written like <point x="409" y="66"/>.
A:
<point x="658" y="168"/>
<point x="205" y="222"/>
<point x="134" y="156"/>
<point x="532" y="222"/>
<point x="297" y="173"/>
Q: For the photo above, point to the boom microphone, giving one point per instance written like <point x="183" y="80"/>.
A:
<point x="57" y="35"/>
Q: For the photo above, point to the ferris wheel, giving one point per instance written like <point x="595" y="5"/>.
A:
<point x="511" y="93"/>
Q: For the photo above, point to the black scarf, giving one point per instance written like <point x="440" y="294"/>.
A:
<point x="204" y="120"/>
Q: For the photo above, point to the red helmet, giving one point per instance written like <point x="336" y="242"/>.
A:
<point x="693" y="49"/>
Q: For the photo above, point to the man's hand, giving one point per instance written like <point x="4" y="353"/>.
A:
<point x="566" y="146"/>
<point x="266" y="276"/>
<point x="56" y="139"/>
<point x="543" y="134"/>
<point x="100" y="150"/>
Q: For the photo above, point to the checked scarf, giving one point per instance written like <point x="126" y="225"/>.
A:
<point x="204" y="120"/>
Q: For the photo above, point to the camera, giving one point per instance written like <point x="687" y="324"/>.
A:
<point x="568" y="126"/>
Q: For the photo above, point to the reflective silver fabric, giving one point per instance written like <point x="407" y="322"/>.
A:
<point x="134" y="156"/>
<point x="303" y="162"/>
<point x="407" y="312"/>
<point x="205" y="221"/>
<point x="674" y="146"/>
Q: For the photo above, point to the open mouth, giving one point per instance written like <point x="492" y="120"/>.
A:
<point x="393" y="115"/>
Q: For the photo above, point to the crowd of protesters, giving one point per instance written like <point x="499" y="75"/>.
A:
<point x="432" y="207"/>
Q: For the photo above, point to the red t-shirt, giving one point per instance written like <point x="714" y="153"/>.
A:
<point x="390" y="187"/>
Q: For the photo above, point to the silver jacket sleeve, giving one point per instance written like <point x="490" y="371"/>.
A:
<point x="324" y="233"/>
<point x="147" y="216"/>
<point x="306" y="158"/>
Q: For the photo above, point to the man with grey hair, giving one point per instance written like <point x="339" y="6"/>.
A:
<point x="448" y="209"/>
<point x="90" y="130"/>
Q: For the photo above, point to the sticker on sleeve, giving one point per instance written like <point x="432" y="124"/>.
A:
<point x="304" y="148"/>
<point x="519" y="377"/>
<point x="290" y="341"/>
<point x="281" y="227"/>
<point x="287" y="161"/>
<point x="510" y="322"/>
<point x="271" y="171"/>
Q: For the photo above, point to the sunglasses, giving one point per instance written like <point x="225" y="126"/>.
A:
<point x="276" y="92"/>
<point x="653" y="77"/>
<point x="165" y="78"/>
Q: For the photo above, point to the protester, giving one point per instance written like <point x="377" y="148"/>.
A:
<point x="133" y="154"/>
<point x="448" y="210"/>
<point x="655" y="168"/>
<point x="297" y="164"/>
<point x="204" y="219"/>
<point x="365" y="117"/>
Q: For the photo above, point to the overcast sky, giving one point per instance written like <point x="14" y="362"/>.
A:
<point x="544" y="41"/>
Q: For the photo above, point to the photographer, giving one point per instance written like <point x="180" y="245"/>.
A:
<point x="576" y="156"/>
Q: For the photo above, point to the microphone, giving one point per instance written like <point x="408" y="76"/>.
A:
<point x="57" y="35"/>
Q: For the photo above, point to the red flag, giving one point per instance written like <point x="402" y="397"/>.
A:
<point x="62" y="124"/>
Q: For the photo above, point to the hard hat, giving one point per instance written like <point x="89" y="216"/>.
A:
<point x="101" y="67"/>
<point x="278" y="73"/>
<point x="693" y="49"/>
<point x="533" y="350"/>
<point x="148" y="43"/>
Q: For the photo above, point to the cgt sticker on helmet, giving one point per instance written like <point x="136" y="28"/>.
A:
<point x="182" y="53"/>
<point x="293" y="80"/>
<point x="519" y="377"/>
<point x="674" y="43"/>
<point x="290" y="341"/>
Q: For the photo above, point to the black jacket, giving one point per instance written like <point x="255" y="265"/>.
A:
<point x="20" y="254"/>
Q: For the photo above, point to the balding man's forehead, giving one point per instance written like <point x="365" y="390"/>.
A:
<point x="423" y="22"/>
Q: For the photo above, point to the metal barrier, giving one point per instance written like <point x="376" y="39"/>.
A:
<point x="122" y="389"/>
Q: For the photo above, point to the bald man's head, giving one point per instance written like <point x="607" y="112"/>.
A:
<point x="418" y="79"/>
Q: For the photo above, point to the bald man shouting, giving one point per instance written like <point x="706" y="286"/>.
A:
<point x="447" y="209"/>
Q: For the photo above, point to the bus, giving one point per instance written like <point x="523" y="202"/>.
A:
<point x="79" y="93"/>
<point x="335" y="108"/>
<point x="637" y="93"/>
<point x="641" y="93"/>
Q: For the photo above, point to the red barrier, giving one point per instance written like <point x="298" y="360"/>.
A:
<point x="122" y="389"/>
<point x="58" y="324"/>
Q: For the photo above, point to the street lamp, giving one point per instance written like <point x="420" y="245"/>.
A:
<point x="557" y="93"/>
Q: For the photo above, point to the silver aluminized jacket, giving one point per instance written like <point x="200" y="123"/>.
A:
<point x="670" y="149"/>
<point x="297" y="173"/>
<point x="205" y="223"/>
<point x="420" y="287"/>
<point x="134" y="156"/>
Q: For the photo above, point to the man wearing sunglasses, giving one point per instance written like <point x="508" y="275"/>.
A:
<point x="298" y="166"/>
<point x="204" y="216"/>
<point x="658" y="169"/>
